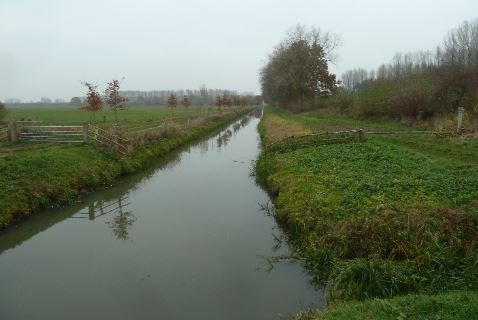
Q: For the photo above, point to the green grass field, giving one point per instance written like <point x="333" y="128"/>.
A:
<point x="75" y="114"/>
<point x="391" y="216"/>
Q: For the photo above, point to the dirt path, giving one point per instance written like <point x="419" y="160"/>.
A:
<point x="278" y="128"/>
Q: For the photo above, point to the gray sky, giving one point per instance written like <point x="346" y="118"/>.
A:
<point x="47" y="47"/>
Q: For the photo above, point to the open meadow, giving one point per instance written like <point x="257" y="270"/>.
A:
<point x="68" y="113"/>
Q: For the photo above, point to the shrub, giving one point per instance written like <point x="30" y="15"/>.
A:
<point x="374" y="100"/>
<point x="458" y="89"/>
<point x="412" y="97"/>
<point x="2" y="110"/>
<point x="342" y="101"/>
<point x="361" y="279"/>
<point x="170" y="130"/>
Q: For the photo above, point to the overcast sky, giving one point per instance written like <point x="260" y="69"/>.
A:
<point x="47" y="47"/>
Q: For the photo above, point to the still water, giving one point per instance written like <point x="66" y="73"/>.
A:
<point x="184" y="239"/>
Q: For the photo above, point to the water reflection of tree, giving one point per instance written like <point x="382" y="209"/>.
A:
<point x="245" y="121"/>
<point x="224" y="138"/>
<point x="236" y="127"/>
<point x="122" y="222"/>
<point x="258" y="113"/>
<point x="204" y="146"/>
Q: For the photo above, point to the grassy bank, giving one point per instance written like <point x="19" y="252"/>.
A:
<point x="448" y="306"/>
<point x="56" y="175"/>
<point x="390" y="216"/>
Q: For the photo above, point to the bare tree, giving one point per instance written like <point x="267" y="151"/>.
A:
<point x="329" y="42"/>
<point x="113" y="98"/>
<point x="353" y="80"/>
<point x="461" y="45"/>
<point x="226" y="99"/>
<point x="204" y="95"/>
<point x="219" y="102"/>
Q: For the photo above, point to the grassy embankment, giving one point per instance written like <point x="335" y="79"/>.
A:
<point x="392" y="216"/>
<point x="447" y="306"/>
<point x="56" y="174"/>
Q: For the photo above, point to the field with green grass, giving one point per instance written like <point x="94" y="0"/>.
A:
<point x="66" y="113"/>
<point x="393" y="215"/>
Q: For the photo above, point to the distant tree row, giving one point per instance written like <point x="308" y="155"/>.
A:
<point x="226" y="100"/>
<point x="43" y="100"/>
<point x="200" y="98"/>
<point x="229" y="100"/>
<point x="458" y="52"/>
<point x="296" y="73"/>
<point x="417" y="85"/>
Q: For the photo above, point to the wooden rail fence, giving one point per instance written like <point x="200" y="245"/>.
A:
<point x="304" y="141"/>
<point x="35" y="131"/>
<point x="108" y="140"/>
<point x="3" y="131"/>
<point x="321" y="138"/>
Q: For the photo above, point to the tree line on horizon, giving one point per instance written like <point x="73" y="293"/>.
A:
<point x="417" y="85"/>
<point x="202" y="97"/>
<point x="116" y="101"/>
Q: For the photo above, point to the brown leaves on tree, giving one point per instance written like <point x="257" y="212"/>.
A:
<point x="226" y="100"/>
<point x="219" y="101"/>
<point x="93" y="98"/>
<point x="186" y="102"/>
<point x="172" y="101"/>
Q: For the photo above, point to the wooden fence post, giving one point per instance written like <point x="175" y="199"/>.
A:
<point x="12" y="131"/>
<point x="361" y="135"/>
<point x="85" y="132"/>
<point x="459" y="119"/>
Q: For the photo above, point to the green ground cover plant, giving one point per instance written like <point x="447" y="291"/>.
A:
<point x="447" y="306"/>
<point x="387" y="217"/>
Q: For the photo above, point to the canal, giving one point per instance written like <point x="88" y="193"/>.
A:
<point x="184" y="239"/>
